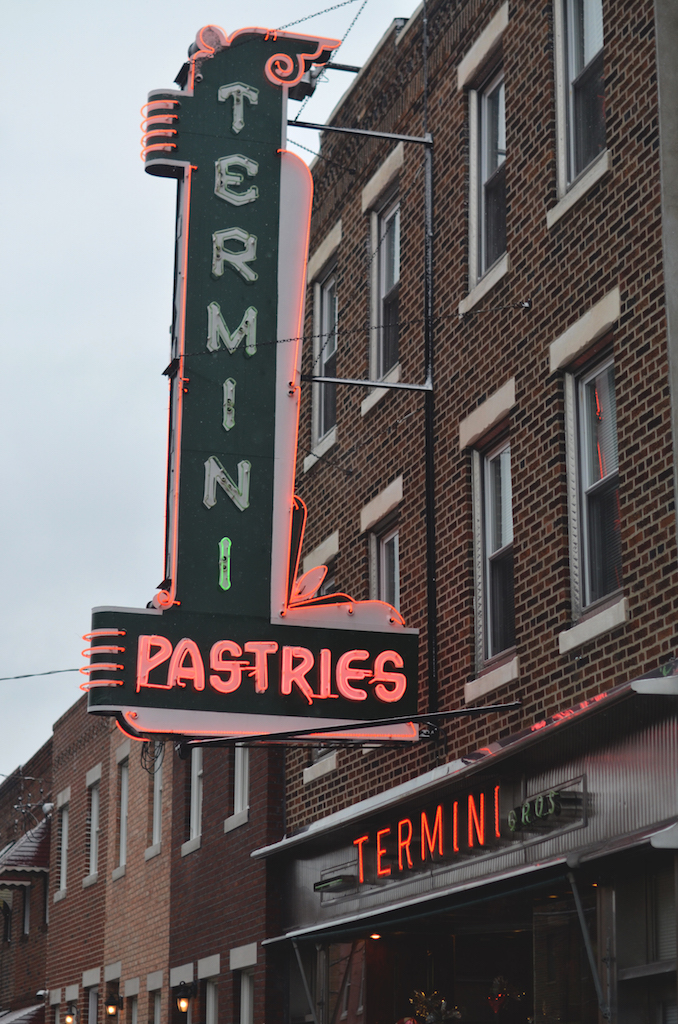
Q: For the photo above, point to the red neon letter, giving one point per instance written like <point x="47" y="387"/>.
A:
<point x="261" y="649"/>
<point x="219" y="664"/>
<point x="345" y="674"/>
<point x="361" y="867"/>
<point x="476" y="821"/>
<point x="427" y="838"/>
<point x="179" y="673"/>
<point x="147" y="661"/>
<point x="404" y="842"/>
<point x="497" y="822"/>
<point x="455" y="826"/>
<point x="381" y="852"/>
<point x="326" y="674"/>
<point x="290" y="673"/>
<point x="397" y="680"/>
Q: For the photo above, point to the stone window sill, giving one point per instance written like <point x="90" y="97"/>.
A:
<point x="577" y="191"/>
<point x="595" y="625"/>
<point x="322" y="767"/>
<point x="486" y="284"/>
<point x="392" y="377"/>
<point x="152" y="851"/>
<point x="59" y="895"/>
<point x="236" y="820"/>
<point x="319" y="449"/>
<point x="90" y="879"/>
<point x="118" y="872"/>
<point x="505" y="673"/>
<point x="190" y="846"/>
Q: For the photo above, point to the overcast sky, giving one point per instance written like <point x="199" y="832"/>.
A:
<point x="87" y="249"/>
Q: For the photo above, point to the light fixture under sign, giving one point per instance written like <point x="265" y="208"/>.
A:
<point x="184" y="993"/>
<point x="338" y="883"/>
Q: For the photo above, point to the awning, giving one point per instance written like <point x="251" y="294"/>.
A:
<point x="26" y="1015"/>
<point x="28" y="855"/>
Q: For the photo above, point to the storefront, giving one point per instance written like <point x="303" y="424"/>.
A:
<point x="532" y="881"/>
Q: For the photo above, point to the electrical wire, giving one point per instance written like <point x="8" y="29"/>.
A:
<point x="32" y="675"/>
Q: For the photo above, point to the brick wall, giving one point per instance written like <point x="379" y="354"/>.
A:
<point x="612" y="237"/>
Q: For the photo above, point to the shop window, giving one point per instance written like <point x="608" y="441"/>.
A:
<point x="599" y="484"/>
<point x="325" y="358"/>
<point x="491" y="164"/>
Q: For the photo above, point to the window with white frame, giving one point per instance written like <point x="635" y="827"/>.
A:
<point x="598" y="473"/>
<point x="388" y="282"/>
<point x="92" y="1005"/>
<point x="63" y="847"/>
<point x="211" y="1002"/>
<point x="386" y="561"/>
<point x="498" y="551"/>
<point x="241" y="779"/>
<point x="325" y="361"/>
<point x="156" y="794"/>
<point x="27" y="910"/>
<point x="195" y="815"/>
<point x="247" y="997"/>
<point x="123" y="806"/>
<point x="94" y="818"/>
<point x="491" y="164"/>
<point x="581" y="62"/>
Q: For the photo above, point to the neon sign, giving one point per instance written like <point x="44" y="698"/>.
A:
<point x="462" y="826"/>
<point x="237" y="641"/>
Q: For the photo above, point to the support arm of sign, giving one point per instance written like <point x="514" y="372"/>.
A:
<point x="424" y="140"/>
<point x="276" y="737"/>
<point x="428" y="386"/>
<point x="604" y="1008"/>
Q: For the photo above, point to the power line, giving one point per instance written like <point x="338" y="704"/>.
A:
<point x="32" y="675"/>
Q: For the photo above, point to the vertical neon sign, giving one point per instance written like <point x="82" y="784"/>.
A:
<point x="234" y="527"/>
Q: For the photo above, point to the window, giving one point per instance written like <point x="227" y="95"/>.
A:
<point x="388" y="568"/>
<point x="123" y="803"/>
<point x="195" y="818"/>
<point x="246" y="997"/>
<point x="156" y="794"/>
<point x="241" y="780"/>
<point x="6" y="908"/>
<point x="325" y="365"/>
<point x="498" y="552"/>
<point x="94" y="815"/>
<point x="388" y="256"/>
<point x="157" y="1006"/>
<point x="27" y="910"/>
<point x="92" y="1005"/>
<point x="211" y="1003"/>
<point x="582" y="34"/>
<point x="491" y="163"/>
<point x="599" y="484"/>
<point x="63" y="847"/>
